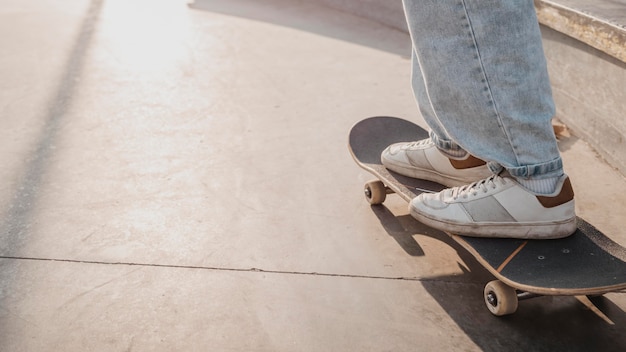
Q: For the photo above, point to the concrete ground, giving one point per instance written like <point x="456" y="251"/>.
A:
<point x="176" y="178"/>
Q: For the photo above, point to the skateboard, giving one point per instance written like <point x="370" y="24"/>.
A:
<point x="584" y="264"/>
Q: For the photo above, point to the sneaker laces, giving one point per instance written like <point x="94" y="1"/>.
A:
<point x="418" y="144"/>
<point x="490" y="183"/>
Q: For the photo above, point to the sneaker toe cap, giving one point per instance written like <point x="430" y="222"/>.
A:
<point x="433" y="207"/>
<point x="428" y="201"/>
<point x="394" y="154"/>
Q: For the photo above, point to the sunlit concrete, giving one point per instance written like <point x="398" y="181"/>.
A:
<point x="176" y="177"/>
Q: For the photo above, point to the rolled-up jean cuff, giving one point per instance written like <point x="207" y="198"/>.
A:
<point x="549" y="169"/>
<point x="448" y="147"/>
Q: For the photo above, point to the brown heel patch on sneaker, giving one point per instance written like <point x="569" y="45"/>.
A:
<point x="468" y="163"/>
<point x="567" y="194"/>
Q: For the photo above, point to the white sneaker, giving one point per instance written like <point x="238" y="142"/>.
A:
<point x="423" y="160"/>
<point x="499" y="207"/>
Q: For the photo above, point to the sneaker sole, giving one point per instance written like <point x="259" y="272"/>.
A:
<point x="551" y="230"/>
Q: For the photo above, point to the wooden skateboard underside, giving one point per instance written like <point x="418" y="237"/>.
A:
<point x="585" y="263"/>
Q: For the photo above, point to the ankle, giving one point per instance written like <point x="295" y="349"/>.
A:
<point x="454" y="154"/>
<point x="540" y="186"/>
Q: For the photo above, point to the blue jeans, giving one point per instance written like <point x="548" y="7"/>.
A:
<point x="481" y="82"/>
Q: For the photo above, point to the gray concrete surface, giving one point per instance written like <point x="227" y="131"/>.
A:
<point x="600" y="24"/>
<point x="585" y="43"/>
<point x="589" y="88"/>
<point x="176" y="178"/>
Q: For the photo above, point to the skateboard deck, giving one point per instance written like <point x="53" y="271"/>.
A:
<point x="585" y="263"/>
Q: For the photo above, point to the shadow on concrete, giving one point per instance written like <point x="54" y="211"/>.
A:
<point x="548" y="323"/>
<point x="17" y="218"/>
<point x="399" y="228"/>
<point x="403" y="228"/>
<point x="314" y="18"/>
<point x="19" y="215"/>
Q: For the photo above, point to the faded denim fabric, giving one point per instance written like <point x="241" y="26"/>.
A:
<point x="481" y="82"/>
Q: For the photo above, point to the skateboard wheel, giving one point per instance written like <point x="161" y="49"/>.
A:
<point x="375" y="192"/>
<point x="500" y="298"/>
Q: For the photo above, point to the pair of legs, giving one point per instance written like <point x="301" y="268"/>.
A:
<point x="481" y="83"/>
